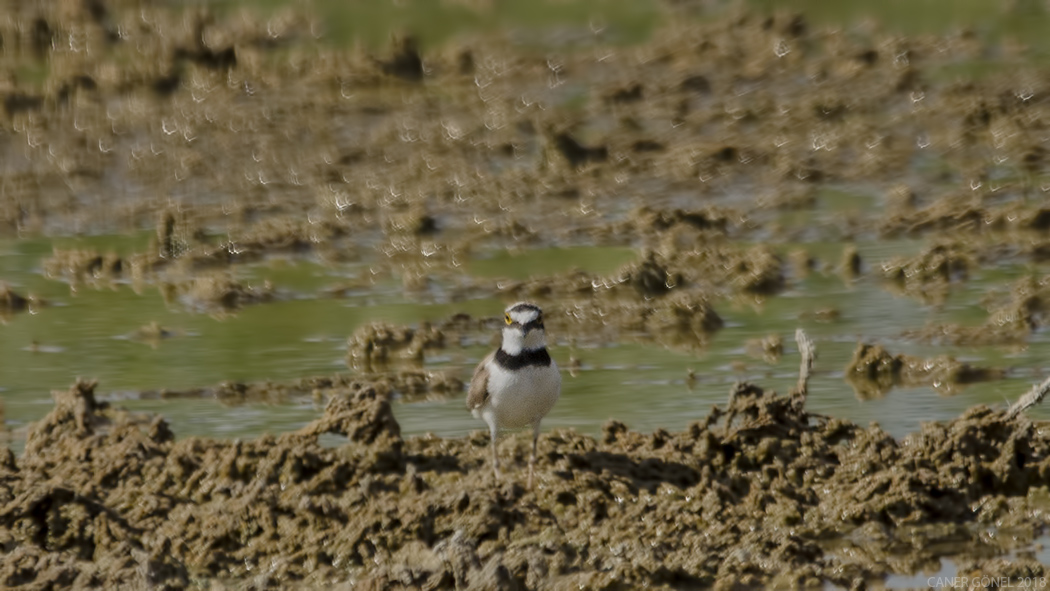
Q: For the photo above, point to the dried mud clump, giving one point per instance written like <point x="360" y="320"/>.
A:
<point x="1026" y="306"/>
<point x="152" y="333"/>
<point x="754" y="491"/>
<point x="682" y="320"/>
<point x="769" y="348"/>
<point x="873" y="371"/>
<point x="575" y="154"/>
<point x="277" y="235"/>
<point x="757" y="270"/>
<point x="182" y="246"/>
<point x="930" y="274"/>
<point x="216" y="292"/>
<point x="650" y="276"/>
<point x="11" y="301"/>
<point x="579" y="284"/>
<point x="375" y="344"/>
<point x="648" y="220"/>
<point x="409" y="385"/>
<point x="365" y="417"/>
<point x="237" y="393"/>
<point x="79" y="265"/>
<point x="405" y="62"/>
<point x="956" y="334"/>
<point x="59" y="521"/>
<point x="944" y="215"/>
<point x="685" y="319"/>
<point x="183" y="243"/>
<point x="851" y="263"/>
<point x="722" y="269"/>
<point x="953" y="214"/>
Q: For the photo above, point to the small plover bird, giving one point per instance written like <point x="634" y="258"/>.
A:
<point x="517" y="384"/>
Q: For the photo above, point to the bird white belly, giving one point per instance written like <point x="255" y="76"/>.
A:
<point x="523" y="396"/>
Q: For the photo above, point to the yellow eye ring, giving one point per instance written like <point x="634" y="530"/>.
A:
<point x="506" y="317"/>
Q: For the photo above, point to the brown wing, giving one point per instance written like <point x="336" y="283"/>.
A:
<point x="479" y="384"/>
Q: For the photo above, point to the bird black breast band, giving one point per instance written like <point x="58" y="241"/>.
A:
<point x="527" y="358"/>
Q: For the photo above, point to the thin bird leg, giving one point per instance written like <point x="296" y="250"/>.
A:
<point x="532" y="458"/>
<point x="493" y="431"/>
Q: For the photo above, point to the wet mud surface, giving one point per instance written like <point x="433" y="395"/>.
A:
<point x="758" y="493"/>
<point x="226" y="139"/>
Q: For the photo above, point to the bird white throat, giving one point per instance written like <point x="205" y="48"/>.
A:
<point x="519" y="383"/>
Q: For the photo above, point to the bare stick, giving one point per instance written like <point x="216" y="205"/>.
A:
<point x="1032" y="398"/>
<point x="808" y="352"/>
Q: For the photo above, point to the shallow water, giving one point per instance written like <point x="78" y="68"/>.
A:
<point x="90" y="332"/>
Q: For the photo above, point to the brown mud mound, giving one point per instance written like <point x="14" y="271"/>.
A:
<point x="758" y="489"/>
<point x="873" y="371"/>
<point x="11" y="302"/>
<point x="216" y="293"/>
<point x="930" y="274"/>
<point x="372" y="344"/>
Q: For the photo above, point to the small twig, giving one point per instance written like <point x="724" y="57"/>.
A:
<point x="808" y="353"/>
<point x="1032" y="398"/>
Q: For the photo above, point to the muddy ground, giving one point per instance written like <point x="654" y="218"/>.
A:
<point x="235" y="136"/>
<point x="757" y="494"/>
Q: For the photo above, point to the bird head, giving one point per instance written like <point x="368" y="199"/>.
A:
<point x="523" y="328"/>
